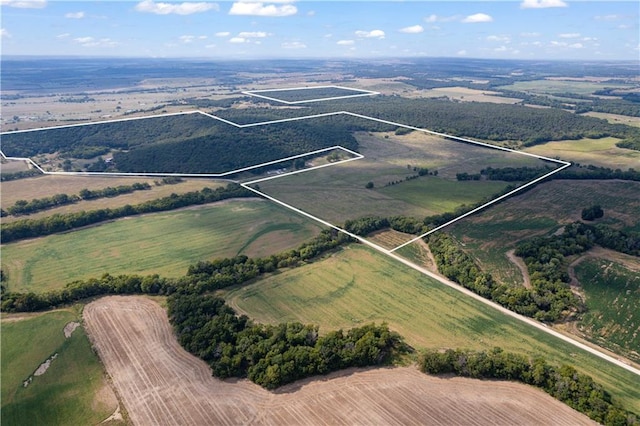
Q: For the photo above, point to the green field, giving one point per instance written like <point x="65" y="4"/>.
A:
<point x="600" y="152"/>
<point x="613" y="298"/>
<point x="163" y="243"/>
<point x="358" y="285"/>
<point x="490" y="234"/>
<point x="66" y="393"/>
<point x="338" y="193"/>
<point x="561" y="86"/>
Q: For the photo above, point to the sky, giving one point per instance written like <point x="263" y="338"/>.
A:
<point x="250" y="29"/>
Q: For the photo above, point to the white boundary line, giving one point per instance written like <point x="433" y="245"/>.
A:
<point x="390" y="253"/>
<point x="362" y="92"/>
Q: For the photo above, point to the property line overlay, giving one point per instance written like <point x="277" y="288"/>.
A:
<point x="356" y="156"/>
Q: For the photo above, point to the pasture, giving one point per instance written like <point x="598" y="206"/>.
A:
<point x="73" y="390"/>
<point x="48" y="185"/>
<point x="161" y="243"/>
<point x="615" y="118"/>
<point x="599" y="152"/>
<point x="466" y="94"/>
<point x="549" y="86"/>
<point x="358" y="285"/>
<point x="490" y="234"/>
<point x="338" y="193"/>
<point x="613" y="297"/>
<point x="160" y="383"/>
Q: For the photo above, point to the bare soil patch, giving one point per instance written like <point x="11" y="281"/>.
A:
<point x="511" y="255"/>
<point x="160" y="383"/>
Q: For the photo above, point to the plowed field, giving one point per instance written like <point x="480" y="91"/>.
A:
<point x="160" y="383"/>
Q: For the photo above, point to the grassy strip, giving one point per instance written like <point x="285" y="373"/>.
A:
<point x="66" y="392"/>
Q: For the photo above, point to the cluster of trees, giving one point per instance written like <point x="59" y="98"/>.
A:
<point x="592" y="213"/>
<point x="31" y="228"/>
<point x="564" y="383"/>
<point x="507" y="174"/>
<point x="578" y="171"/>
<point x="546" y="300"/>
<point x="273" y="355"/>
<point x="5" y="177"/>
<point x="201" y="277"/>
<point x="630" y="143"/>
<point x="23" y="207"/>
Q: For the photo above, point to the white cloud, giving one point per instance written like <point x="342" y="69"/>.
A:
<point x="262" y="9"/>
<point x="74" y="15"/>
<point x="569" y="35"/>
<point x="185" y="8"/>
<point x="608" y="17"/>
<point x="311" y="13"/>
<point x="576" y="46"/>
<point x="92" y="42"/>
<point x="63" y="35"/>
<point x="82" y="40"/>
<point x="435" y="18"/>
<point x="530" y="34"/>
<point x="415" y="29"/>
<point x="478" y="17"/>
<point x="371" y="34"/>
<point x="293" y="45"/>
<point x="223" y="34"/>
<point x="541" y="4"/>
<point x="431" y="18"/>
<point x="256" y="34"/>
<point x="4" y="33"/>
<point x="462" y="52"/>
<point x="24" y="4"/>
<point x="210" y="46"/>
<point x="187" y="38"/>
<point x="238" y="40"/>
<point x="502" y="39"/>
<point x="346" y="42"/>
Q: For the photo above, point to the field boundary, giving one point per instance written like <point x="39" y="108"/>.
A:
<point x="362" y="92"/>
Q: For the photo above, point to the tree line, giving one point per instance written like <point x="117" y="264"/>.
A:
<point x="24" y="207"/>
<point x="565" y="383"/>
<point x="31" y="228"/>
<point x="273" y="355"/>
<point x="201" y="277"/>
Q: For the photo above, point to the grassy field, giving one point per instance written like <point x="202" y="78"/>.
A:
<point x="164" y="243"/>
<point x="488" y="235"/>
<point x="465" y="94"/>
<point x="600" y="152"/>
<point x="70" y="392"/>
<point x="48" y="185"/>
<point x="561" y="86"/>
<point x="338" y="193"/>
<point x="613" y="298"/>
<point x="358" y="285"/>
<point x="616" y="118"/>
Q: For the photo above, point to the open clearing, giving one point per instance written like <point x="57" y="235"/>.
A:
<point x="72" y="391"/>
<point x="600" y="152"/>
<point x="338" y="193"/>
<point x="165" y="243"/>
<point x="358" y="285"/>
<point x="468" y="95"/>
<point x="160" y="383"/>
<point x="551" y="86"/>
<point x="616" y="118"/>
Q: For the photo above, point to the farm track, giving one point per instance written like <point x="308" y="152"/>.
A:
<point x="511" y="255"/>
<point x="160" y="383"/>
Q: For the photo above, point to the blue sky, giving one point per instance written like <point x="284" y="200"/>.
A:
<point x="523" y="29"/>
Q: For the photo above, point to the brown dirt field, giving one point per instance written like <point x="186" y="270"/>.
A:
<point x="46" y="186"/>
<point x="160" y="383"/>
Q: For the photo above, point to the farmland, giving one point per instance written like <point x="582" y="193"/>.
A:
<point x="612" y="294"/>
<point x="490" y="234"/>
<point x="47" y="185"/>
<point x="359" y="286"/>
<point x="73" y="390"/>
<point x="600" y="152"/>
<point x="169" y="386"/>
<point x="162" y="243"/>
<point x="338" y="193"/>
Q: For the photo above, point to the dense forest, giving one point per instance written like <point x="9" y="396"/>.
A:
<point x="564" y="383"/>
